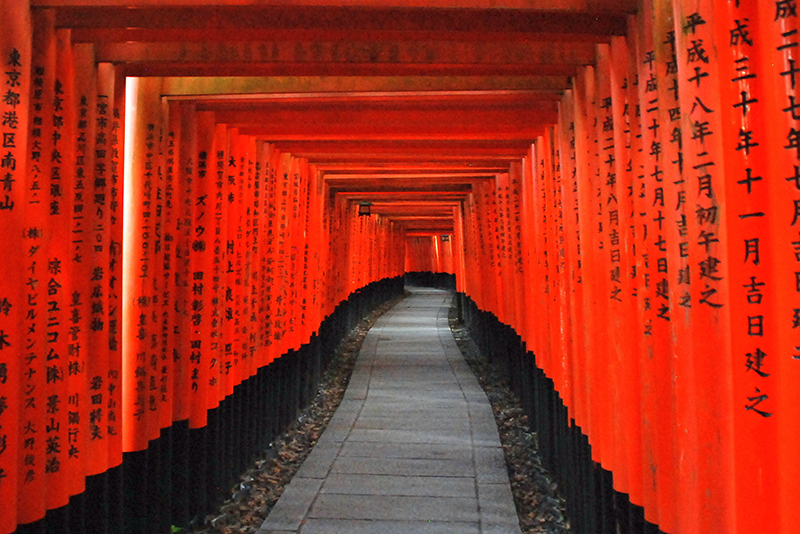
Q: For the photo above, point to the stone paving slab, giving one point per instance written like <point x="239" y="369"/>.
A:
<point x="338" y="526"/>
<point x="422" y="451"/>
<point x="413" y="447"/>
<point x="395" y="508"/>
<point x="419" y="486"/>
<point x="404" y="466"/>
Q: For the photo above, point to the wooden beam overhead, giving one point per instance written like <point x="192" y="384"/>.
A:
<point x="390" y="98"/>
<point x="195" y="86"/>
<point x="594" y="6"/>
<point x="506" y="23"/>
<point x="349" y="58"/>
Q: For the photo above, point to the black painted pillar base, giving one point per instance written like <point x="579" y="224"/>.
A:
<point x="186" y="473"/>
<point x="593" y="506"/>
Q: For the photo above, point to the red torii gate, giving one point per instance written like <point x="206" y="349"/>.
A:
<point x="608" y="178"/>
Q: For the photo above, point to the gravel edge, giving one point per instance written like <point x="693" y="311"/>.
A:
<point x="539" y="507"/>
<point x="260" y="487"/>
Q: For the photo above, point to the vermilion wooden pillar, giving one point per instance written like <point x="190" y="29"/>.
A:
<point x="91" y="257"/>
<point x="187" y="165"/>
<point x="652" y="292"/>
<point x="586" y="164"/>
<point x="755" y="322"/>
<point x="570" y="236"/>
<point x="201" y="256"/>
<point x="711" y="253"/>
<point x="64" y="308"/>
<point x="32" y="198"/>
<point x="139" y="284"/>
<point x="621" y="234"/>
<point x="17" y="58"/>
<point x="775" y="27"/>
<point x="114" y="285"/>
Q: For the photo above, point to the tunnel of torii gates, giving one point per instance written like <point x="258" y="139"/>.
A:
<point x="613" y="185"/>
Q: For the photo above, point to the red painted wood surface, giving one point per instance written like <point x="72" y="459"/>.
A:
<point x="617" y="181"/>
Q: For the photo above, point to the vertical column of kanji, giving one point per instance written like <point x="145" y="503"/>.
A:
<point x="257" y="254"/>
<point x="561" y="357"/>
<point x="542" y="255"/>
<point x="169" y="262"/>
<point x="219" y="272"/>
<point x="497" y="226"/>
<point x="350" y="246"/>
<point x="157" y="346"/>
<point x="672" y="265"/>
<point x="353" y="225"/>
<point x="537" y="253"/>
<point x="754" y="321"/>
<point x="239" y="266"/>
<point x="267" y="253"/>
<point x="64" y="299"/>
<point x="187" y="166"/>
<point x="333" y="235"/>
<point x="24" y="221"/>
<point x="139" y="283"/>
<point x="569" y="245"/>
<point x="608" y="282"/>
<point x="479" y="289"/>
<point x="100" y="239"/>
<point x="301" y="244"/>
<point x="82" y="99"/>
<point x="328" y="224"/>
<point x="699" y="81"/>
<point x="586" y="163"/>
<point x="471" y="244"/>
<point x="625" y="350"/>
<point x="561" y="299"/>
<point x="482" y="233"/>
<point x="513" y="243"/>
<point x="113" y="285"/>
<point x="492" y="274"/>
<point x="18" y="351"/>
<point x="315" y="248"/>
<point x="778" y="46"/>
<point x="201" y="260"/>
<point x="233" y="214"/>
<point x="634" y="202"/>
<point x="566" y="236"/>
<point x="649" y="204"/>
<point x="484" y="264"/>
<point x="294" y="231"/>
<point x="506" y="303"/>
<point x="90" y="349"/>
<point x="305" y="236"/>
<point x="306" y="239"/>
<point x="270" y="256"/>
<point x="528" y="236"/>
<point x="243" y="236"/>
<point x="552" y="343"/>
<point x="253" y="214"/>
<point x="282" y="252"/>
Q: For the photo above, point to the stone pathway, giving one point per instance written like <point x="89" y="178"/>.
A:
<point x="412" y="448"/>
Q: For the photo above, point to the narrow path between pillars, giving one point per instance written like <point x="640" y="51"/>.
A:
<point x="413" y="447"/>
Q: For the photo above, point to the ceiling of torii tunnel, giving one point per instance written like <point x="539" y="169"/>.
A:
<point x="400" y="106"/>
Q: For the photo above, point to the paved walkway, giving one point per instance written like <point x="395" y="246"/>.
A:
<point x="413" y="447"/>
